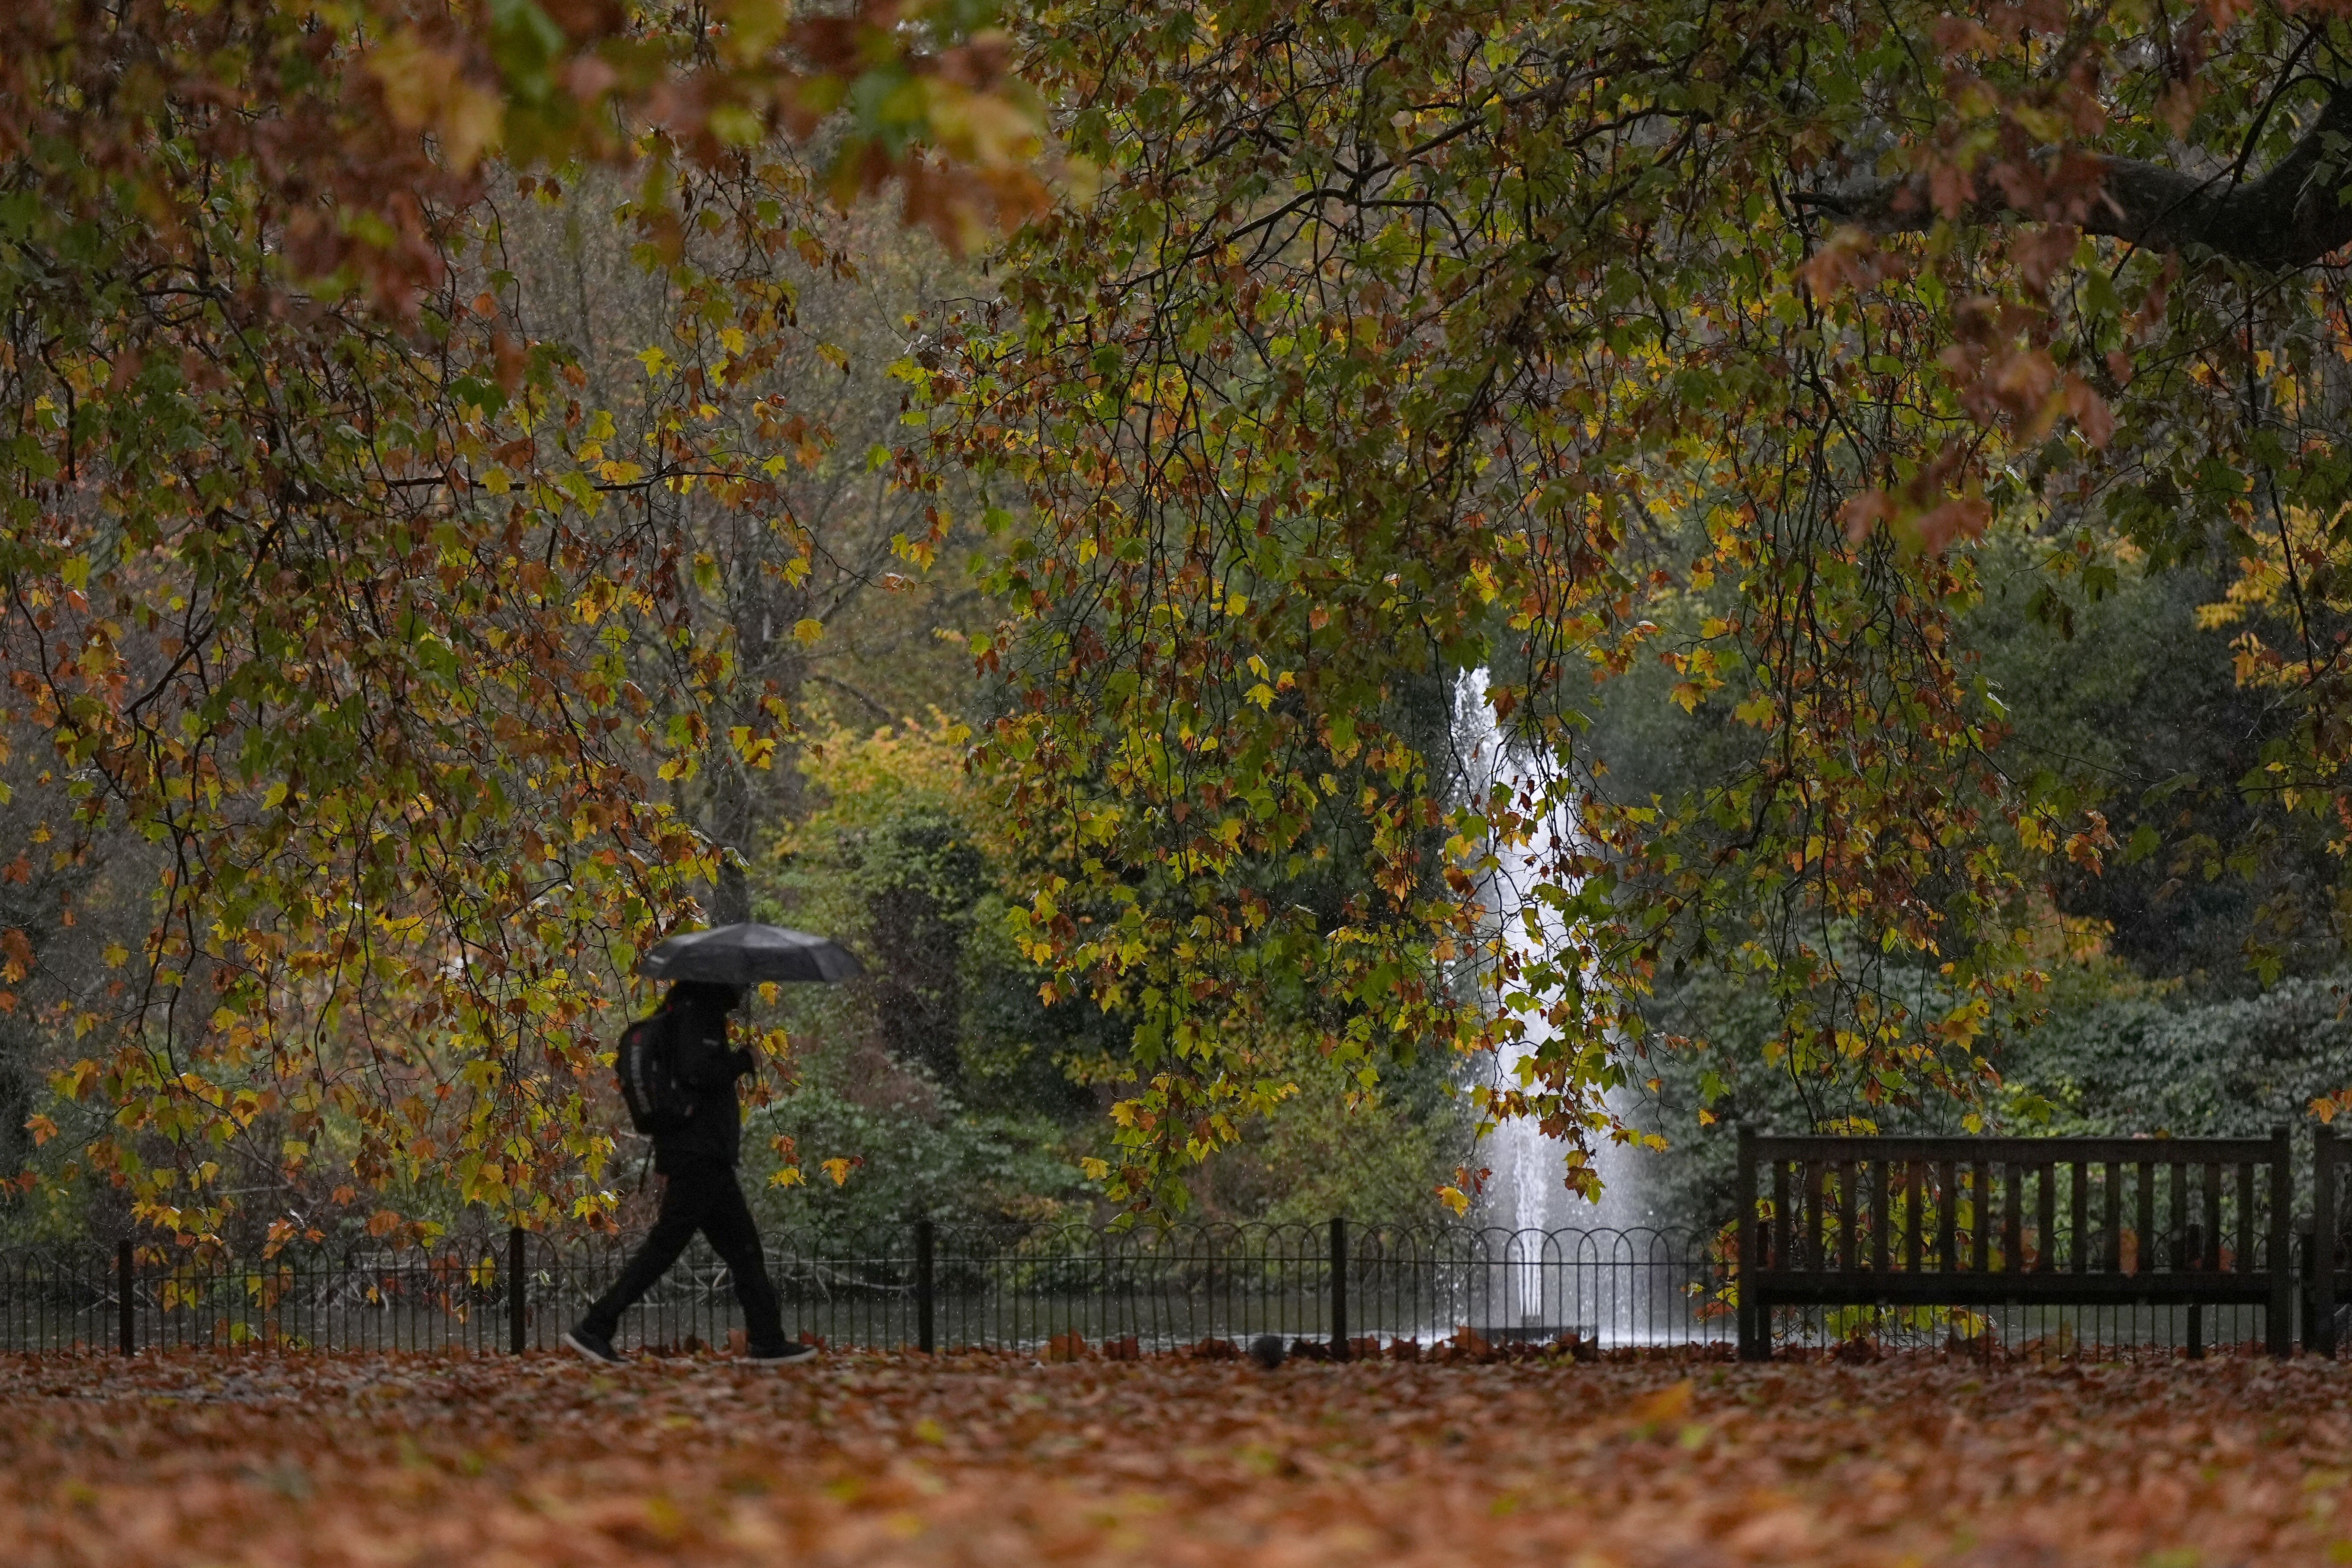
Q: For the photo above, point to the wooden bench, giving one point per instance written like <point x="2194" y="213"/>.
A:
<point x="1993" y="1222"/>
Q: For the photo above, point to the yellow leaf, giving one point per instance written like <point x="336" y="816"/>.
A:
<point x="752" y="27"/>
<point x="982" y="127"/>
<point x="426" y="89"/>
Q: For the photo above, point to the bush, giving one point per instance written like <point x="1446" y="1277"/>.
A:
<point x="954" y="1166"/>
<point x="2110" y="1060"/>
<point x="2217" y="1068"/>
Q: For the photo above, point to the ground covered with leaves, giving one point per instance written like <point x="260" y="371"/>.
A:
<point x="996" y="1460"/>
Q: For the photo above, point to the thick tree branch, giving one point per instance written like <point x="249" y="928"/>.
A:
<point x="2290" y="217"/>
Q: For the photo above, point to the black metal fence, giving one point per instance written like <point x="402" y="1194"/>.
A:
<point x="1365" y="1287"/>
<point x="923" y="1285"/>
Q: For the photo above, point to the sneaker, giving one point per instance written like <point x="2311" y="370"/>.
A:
<point x="781" y="1355"/>
<point x="585" y="1341"/>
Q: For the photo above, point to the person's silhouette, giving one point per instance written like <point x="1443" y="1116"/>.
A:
<point x="696" y="1164"/>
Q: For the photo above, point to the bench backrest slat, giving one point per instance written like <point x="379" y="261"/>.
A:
<point x="2144" y="1246"/>
<point x="2245" y="1214"/>
<point x="2178" y="1178"/>
<point x="2210" y="1236"/>
<point x="1844" y="1169"/>
<point x="1914" y="1218"/>
<point x="2078" y="1215"/>
<point x="1981" y="1213"/>
<point x="1881" y="1216"/>
<point x="1948" y="1200"/>
<point x="2012" y="1233"/>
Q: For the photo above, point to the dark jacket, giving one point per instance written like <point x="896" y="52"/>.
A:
<point x="714" y="1132"/>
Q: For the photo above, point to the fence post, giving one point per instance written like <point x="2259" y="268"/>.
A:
<point x="126" y="1303"/>
<point x="1338" y="1289"/>
<point x="1744" y="1205"/>
<point x="2319" y="1334"/>
<point x="518" y="1304"/>
<point x="2281" y="1326"/>
<point x="926" y="1300"/>
<point x="1755" y="1326"/>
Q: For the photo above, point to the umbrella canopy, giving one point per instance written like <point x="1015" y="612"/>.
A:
<point x="746" y="955"/>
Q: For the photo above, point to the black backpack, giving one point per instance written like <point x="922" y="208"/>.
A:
<point x="655" y="1090"/>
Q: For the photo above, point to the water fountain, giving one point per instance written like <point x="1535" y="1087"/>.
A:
<point x="1565" y="1258"/>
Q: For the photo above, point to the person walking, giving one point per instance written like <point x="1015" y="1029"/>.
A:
<point x="699" y="1192"/>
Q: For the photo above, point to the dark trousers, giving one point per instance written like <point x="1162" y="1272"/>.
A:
<point x="699" y="1194"/>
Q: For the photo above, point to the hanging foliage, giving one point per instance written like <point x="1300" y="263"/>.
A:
<point x="1407" y="341"/>
<point x="322" y="579"/>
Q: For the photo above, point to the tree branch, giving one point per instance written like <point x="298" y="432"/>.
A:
<point x="2289" y="218"/>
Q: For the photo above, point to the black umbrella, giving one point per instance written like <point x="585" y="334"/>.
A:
<point x="745" y="955"/>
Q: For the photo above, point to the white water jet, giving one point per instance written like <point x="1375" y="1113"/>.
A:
<point x="1527" y="1194"/>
